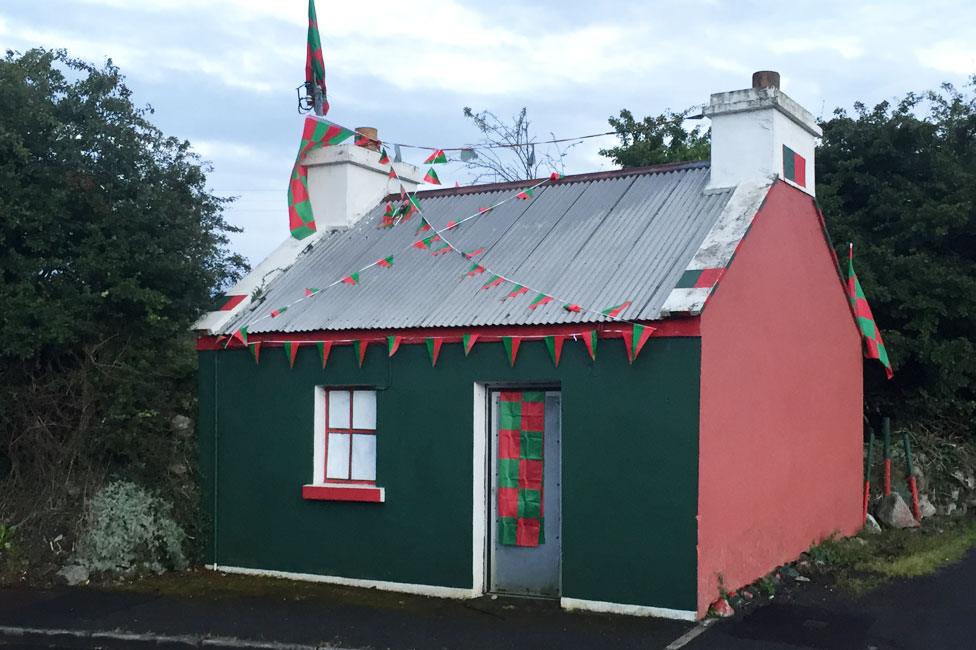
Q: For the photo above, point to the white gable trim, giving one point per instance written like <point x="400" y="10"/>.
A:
<point x="718" y="246"/>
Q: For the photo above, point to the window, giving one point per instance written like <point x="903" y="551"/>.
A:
<point x="344" y="460"/>
<point x="350" y="432"/>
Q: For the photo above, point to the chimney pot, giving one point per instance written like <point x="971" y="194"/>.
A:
<point x="765" y="79"/>
<point x="372" y="134"/>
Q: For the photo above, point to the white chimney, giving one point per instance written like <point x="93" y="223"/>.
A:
<point x="344" y="183"/>
<point x="347" y="181"/>
<point x="759" y="133"/>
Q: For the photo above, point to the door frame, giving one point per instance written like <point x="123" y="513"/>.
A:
<point x="481" y="483"/>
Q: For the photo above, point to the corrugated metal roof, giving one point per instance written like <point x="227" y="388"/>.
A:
<point x="597" y="240"/>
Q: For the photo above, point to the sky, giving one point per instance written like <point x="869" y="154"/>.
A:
<point x="223" y="74"/>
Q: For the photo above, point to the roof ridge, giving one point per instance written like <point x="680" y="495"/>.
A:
<point x="573" y="178"/>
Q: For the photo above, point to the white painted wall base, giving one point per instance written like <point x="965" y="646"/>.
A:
<point x="579" y="604"/>
<point x="569" y="604"/>
<point x="402" y="587"/>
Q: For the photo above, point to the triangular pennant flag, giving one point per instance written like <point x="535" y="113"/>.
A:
<point x="291" y="350"/>
<point x="493" y="281"/>
<point x="517" y="291"/>
<point x="451" y="225"/>
<point x="441" y="251"/>
<point x="325" y="347"/>
<point x="431" y="177"/>
<point x="241" y="335"/>
<point x="309" y="292"/>
<point x="392" y="173"/>
<point x="386" y="262"/>
<point x="573" y="308"/>
<point x="538" y="301"/>
<point x="511" y="344"/>
<point x="393" y="342"/>
<point x="352" y="278"/>
<point x="484" y="210"/>
<point x="613" y="312"/>
<point x="475" y="270"/>
<point x="403" y="192"/>
<point x="434" y="349"/>
<point x="275" y="313"/>
<point x="556" y="176"/>
<point x="470" y="254"/>
<point x="255" y="349"/>
<point x="468" y="340"/>
<point x="636" y="339"/>
<point x="436" y="158"/>
<point x="589" y="340"/>
<point x="384" y="159"/>
<point x="554" y="344"/>
<point x="389" y="209"/>
<point x="423" y="227"/>
<point x="524" y="195"/>
<point x="360" y="348"/>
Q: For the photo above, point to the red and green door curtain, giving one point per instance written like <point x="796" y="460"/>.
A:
<point x="521" y="426"/>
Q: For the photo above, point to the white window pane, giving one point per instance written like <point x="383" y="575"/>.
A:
<point x="338" y="456"/>
<point x="364" y="457"/>
<point x="364" y="409"/>
<point x="339" y="409"/>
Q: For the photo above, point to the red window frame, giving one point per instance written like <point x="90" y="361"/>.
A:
<point x="339" y="430"/>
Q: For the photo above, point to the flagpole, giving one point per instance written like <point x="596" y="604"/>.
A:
<point x="317" y="100"/>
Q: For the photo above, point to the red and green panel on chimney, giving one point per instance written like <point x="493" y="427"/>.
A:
<point x="794" y="167"/>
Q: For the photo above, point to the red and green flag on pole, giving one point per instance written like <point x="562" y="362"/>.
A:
<point x="314" y="62"/>
<point x="874" y="347"/>
<point x="521" y="428"/>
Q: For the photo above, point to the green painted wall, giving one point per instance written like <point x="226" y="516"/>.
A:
<point x="629" y="441"/>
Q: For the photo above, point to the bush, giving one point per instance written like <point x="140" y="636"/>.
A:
<point x="128" y="529"/>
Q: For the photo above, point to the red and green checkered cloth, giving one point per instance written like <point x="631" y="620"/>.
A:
<point x="521" y="423"/>
<point x="874" y="347"/>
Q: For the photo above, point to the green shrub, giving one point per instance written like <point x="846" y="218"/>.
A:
<point x="128" y="529"/>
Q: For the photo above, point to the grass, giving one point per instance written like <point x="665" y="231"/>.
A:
<point x="863" y="563"/>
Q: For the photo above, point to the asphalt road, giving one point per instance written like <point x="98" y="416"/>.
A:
<point x="933" y="612"/>
<point x="936" y="612"/>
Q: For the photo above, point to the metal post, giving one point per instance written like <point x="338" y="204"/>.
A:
<point x="867" y="473"/>
<point x="317" y="99"/>
<point x="912" y="484"/>
<point x="886" y="437"/>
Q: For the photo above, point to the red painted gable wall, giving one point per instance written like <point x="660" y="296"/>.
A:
<point x="781" y="404"/>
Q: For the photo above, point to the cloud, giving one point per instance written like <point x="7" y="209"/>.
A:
<point x="952" y="56"/>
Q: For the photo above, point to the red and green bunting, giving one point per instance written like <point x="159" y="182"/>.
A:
<point x="315" y="134"/>
<point x="314" y="62"/>
<point x="634" y="341"/>
<point x="874" y="347"/>
<point x="431" y="177"/>
<point x="521" y="428"/>
<point x="436" y="158"/>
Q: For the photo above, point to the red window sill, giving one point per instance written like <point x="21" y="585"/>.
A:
<point x="340" y="492"/>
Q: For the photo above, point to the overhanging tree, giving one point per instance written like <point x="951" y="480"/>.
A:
<point x="112" y="246"/>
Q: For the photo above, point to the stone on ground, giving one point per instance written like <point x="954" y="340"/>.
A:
<point x="925" y="507"/>
<point x="74" y="574"/>
<point x="871" y="525"/>
<point x="893" y="512"/>
<point x="721" y="608"/>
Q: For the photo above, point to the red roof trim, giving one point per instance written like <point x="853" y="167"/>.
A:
<point x="672" y="327"/>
